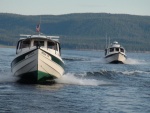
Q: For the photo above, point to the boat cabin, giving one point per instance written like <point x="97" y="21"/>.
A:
<point x="31" y="43"/>
<point x="115" y="47"/>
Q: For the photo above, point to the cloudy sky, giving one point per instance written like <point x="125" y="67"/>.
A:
<point x="58" y="7"/>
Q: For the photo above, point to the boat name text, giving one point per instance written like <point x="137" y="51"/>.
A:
<point x="46" y="55"/>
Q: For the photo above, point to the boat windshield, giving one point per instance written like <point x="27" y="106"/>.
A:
<point x="111" y="49"/>
<point x="117" y="49"/>
<point x="38" y="43"/>
<point x="52" y="45"/>
<point x="25" y="44"/>
<point x="122" y="50"/>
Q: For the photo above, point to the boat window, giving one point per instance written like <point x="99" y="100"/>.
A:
<point x="105" y="51"/>
<point x="111" y="49"/>
<point x="25" y="44"/>
<point x="117" y="49"/>
<point x="52" y="45"/>
<point x="38" y="43"/>
<point x="18" y="45"/>
<point x="122" y="50"/>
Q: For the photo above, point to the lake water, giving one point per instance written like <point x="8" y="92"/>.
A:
<point x="89" y="85"/>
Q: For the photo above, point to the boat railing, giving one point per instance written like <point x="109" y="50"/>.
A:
<point x="55" y="38"/>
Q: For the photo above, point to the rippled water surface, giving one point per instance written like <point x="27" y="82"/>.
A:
<point x="89" y="85"/>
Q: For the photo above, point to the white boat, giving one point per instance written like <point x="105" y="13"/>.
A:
<point x="38" y="58"/>
<point x="115" y="53"/>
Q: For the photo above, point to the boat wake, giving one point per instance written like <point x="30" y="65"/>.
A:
<point x="134" y="61"/>
<point x="7" y="78"/>
<point x="100" y="78"/>
<point x="5" y="74"/>
<point x="71" y="78"/>
<point x="75" y="59"/>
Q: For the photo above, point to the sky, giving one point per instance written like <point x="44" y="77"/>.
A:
<point x="59" y="7"/>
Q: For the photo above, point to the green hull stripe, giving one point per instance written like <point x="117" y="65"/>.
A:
<point x="20" y="58"/>
<point x="55" y="59"/>
<point x="36" y="77"/>
<point x="44" y="76"/>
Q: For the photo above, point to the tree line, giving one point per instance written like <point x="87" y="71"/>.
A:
<point x="81" y="30"/>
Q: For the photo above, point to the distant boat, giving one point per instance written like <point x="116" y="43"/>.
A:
<point x="115" y="53"/>
<point x="38" y="58"/>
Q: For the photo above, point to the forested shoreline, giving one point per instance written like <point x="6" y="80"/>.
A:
<point x="80" y="30"/>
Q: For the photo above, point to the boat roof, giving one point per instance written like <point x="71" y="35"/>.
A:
<point x="115" y="44"/>
<point x="39" y="36"/>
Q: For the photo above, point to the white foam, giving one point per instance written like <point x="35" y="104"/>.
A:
<point x="134" y="61"/>
<point x="133" y="72"/>
<point x="70" y="78"/>
<point x="7" y="78"/>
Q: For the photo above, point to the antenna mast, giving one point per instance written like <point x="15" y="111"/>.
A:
<point x="38" y="26"/>
<point x="106" y="40"/>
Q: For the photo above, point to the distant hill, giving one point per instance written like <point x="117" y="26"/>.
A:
<point x="81" y="31"/>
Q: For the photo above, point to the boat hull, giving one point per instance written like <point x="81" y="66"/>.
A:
<point x="116" y="58"/>
<point x="37" y="66"/>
